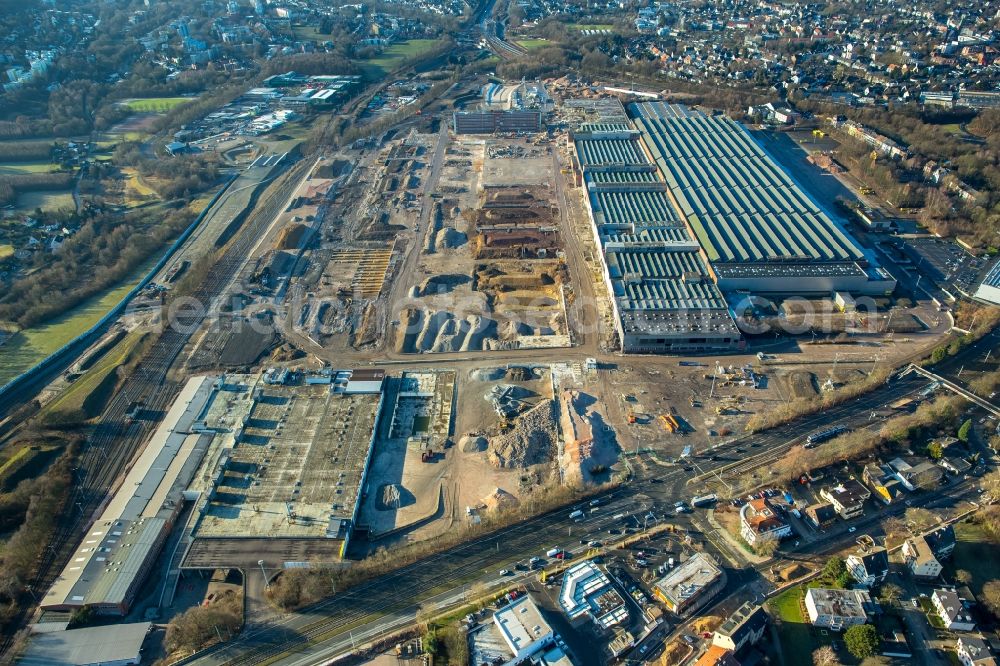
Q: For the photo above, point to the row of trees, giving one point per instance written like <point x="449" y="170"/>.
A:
<point x="25" y="151"/>
<point x="13" y="184"/>
<point x="37" y="504"/>
<point x="106" y="249"/>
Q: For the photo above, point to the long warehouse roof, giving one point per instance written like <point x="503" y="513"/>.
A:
<point x="618" y="152"/>
<point x="740" y="204"/>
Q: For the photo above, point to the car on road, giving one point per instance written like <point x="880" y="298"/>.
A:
<point x="595" y="544"/>
<point x="915" y="603"/>
<point x="505" y="572"/>
<point x="852" y="529"/>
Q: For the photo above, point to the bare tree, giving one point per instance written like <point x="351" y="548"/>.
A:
<point x="921" y="519"/>
<point x="766" y="545"/>
<point x="991" y="597"/>
<point x="825" y="656"/>
<point x="891" y="593"/>
<point x="963" y="576"/>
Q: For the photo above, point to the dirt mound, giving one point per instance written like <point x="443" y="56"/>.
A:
<point x="449" y="238"/>
<point x="389" y="497"/>
<point x="488" y="374"/>
<point x="473" y="444"/>
<point x="291" y="236"/>
<point x="443" y="284"/>
<point x="499" y="499"/>
<point x="530" y="441"/>
<point x="793" y="572"/>
<point x="519" y="373"/>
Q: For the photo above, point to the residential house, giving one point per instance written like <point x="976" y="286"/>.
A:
<point x="821" y="515"/>
<point x="847" y="498"/>
<point x="920" y="559"/>
<point x="838" y="609"/>
<point x="942" y="541"/>
<point x="955" y="464"/>
<point x="717" y="656"/>
<point x="882" y="480"/>
<point x="952" y="611"/>
<point x="924" y="475"/>
<point x="758" y="519"/>
<point x="973" y="651"/>
<point x="744" y="627"/>
<point x="869" y="568"/>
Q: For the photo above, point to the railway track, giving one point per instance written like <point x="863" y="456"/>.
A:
<point x="116" y="440"/>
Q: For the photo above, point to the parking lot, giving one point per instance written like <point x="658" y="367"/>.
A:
<point x="945" y="262"/>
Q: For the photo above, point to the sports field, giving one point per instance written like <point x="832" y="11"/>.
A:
<point x="156" y="104"/>
<point x="532" y="44"/>
<point x="397" y="55"/>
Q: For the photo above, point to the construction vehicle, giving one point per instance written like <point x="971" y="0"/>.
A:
<point x="669" y="423"/>
<point x="818" y="132"/>
<point x="630" y="415"/>
<point x="867" y="190"/>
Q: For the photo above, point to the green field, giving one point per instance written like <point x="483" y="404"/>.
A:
<point x="156" y="104"/>
<point x="532" y="44"/>
<point x="6" y="251"/>
<point x="309" y="33"/>
<point x="976" y="553"/>
<point x="17" y="168"/>
<point x="26" y="348"/>
<point x="397" y="55"/>
<point x="54" y="200"/>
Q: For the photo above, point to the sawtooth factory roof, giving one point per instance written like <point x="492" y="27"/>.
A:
<point x="610" y="152"/>
<point x="740" y="204"/>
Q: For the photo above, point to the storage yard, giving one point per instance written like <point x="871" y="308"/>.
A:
<point x="489" y="276"/>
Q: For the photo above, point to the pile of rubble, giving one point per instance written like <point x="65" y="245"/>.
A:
<point x="531" y="439"/>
